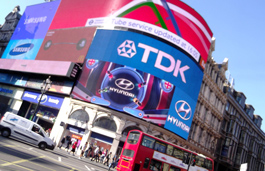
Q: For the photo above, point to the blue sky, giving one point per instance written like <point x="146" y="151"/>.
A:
<point x="239" y="29"/>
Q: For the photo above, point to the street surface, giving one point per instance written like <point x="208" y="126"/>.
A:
<point x="19" y="156"/>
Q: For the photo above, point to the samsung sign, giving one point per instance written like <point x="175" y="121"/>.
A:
<point x="46" y="100"/>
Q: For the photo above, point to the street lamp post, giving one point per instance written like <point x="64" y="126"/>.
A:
<point x="45" y="86"/>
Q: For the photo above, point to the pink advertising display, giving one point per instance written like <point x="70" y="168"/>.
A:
<point x="172" y="21"/>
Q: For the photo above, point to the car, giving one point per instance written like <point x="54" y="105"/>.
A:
<point x="25" y="130"/>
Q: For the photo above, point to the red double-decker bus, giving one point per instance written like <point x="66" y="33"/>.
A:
<point x="143" y="152"/>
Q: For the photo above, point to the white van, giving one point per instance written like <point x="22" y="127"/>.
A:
<point x="26" y="130"/>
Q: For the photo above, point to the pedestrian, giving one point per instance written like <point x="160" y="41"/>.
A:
<point x="102" y="157"/>
<point x="82" y="151"/>
<point x="73" y="148"/>
<point x="62" y="142"/>
<point x="107" y="158"/>
<point x="115" y="161"/>
<point x="88" y="151"/>
<point x="96" y="154"/>
<point x="68" y="144"/>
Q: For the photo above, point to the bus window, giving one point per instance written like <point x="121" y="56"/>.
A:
<point x="133" y="137"/>
<point x="155" y="165"/>
<point x="161" y="147"/>
<point x="169" y="150"/>
<point x="128" y="153"/>
<point x="148" y="142"/>
<point x="165" y="167"/>
<point x="200" y="161"/>
<point x="178" y="153"/>
<point x="208" y="164"/>
<point x="172" y="168"/>
<point x="146" y="163"/>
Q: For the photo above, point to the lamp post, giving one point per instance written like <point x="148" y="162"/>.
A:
<point x="45" y="86"/>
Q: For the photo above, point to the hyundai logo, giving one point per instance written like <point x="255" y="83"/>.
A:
<point x="183" y="109"/>
<point x="124" y="84"/>
<point x="24" y="48"/>
<point x="43" y="99"/>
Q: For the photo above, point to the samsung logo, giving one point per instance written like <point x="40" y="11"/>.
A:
<point x="21" y="49"/>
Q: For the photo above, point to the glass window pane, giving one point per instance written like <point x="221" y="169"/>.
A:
<point x="170" y="150"/>
<point x="106" y="123"/>
<point x="161" y="147"/>
<point x="128" y="153"/>
<point x="133" y="137"/>
<point x="148" y="142"/>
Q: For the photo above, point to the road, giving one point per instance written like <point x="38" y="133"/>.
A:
<point x="20" y="156"/>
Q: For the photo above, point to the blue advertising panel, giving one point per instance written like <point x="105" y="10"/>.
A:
<point x="22" y="49"/>
<point x="35" y="21"/>
<point x="142" y="76"/>
<point x="13" y="79"/>
<point x="46" y="100"/>
<point x="30" y="31"/>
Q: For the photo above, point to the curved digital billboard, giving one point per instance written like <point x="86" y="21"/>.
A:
<point x="142" y="76"/>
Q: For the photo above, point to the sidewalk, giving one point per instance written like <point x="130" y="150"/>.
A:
<point x="87" y="160"/>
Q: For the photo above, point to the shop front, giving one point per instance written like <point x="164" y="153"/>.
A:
<point x="10" y="99"/>
<point x="47" y="111"/>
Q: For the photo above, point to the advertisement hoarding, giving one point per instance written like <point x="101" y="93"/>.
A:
<point x="30" y="31"/>
<point x="173" y="21"/>
<point x="141" y="76"/>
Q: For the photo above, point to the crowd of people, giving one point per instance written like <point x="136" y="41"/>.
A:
<point x="100" y="155"/>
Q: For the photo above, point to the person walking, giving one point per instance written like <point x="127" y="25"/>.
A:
<point x="73" y="148"/>
<point x="107" y="158"/>
<point x="88" y="151"/>
<point x="96" y="154"/>
<point x="68" y="144"/>
<point x="115" y="161"/>
<point x="62" y="142"/>
<point x="82" y="151"/>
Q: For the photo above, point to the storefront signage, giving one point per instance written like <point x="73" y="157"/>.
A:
<point x="46" y="100"/>
<point x="6" y="90"/>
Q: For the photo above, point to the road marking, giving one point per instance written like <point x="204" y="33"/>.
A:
<point x="30" y="148"/>
<point x="60" y="159"/>
<point x="21" y="161"/>
<point x="3" y="145"/>
<point x="18" y="166"/>
<point x="87" y="167"/>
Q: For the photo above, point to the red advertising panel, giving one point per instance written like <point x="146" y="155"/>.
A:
<point x="173" y="21"/>
<point x="66" y="44"/>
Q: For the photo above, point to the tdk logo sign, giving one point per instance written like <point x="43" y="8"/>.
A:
<point x="21" y="49"/>
<point x="127" y="49"/>
<point x="124" y="84"/>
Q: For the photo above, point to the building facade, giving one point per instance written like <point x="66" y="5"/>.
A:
<point x="210" y="107"/>
<point x="242" y="139"/>
<point x="7" y="29"/>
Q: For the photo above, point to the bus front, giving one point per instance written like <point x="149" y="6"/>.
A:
<point x="129" y="151"/>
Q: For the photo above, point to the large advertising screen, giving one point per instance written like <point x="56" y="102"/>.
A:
<point x="173" y="21"/>
<point x="30" y="31"/>
<point x="141" y="76"/>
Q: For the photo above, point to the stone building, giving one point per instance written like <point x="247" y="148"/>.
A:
<point x="7" y="29"/>
<point x="242" y="138"/>
<point x="211" y="103"/>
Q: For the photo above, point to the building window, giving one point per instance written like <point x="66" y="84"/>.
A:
<point x="126" y="130"/>
<point x="80" y="115"/>
<point x="106" y="123"/>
